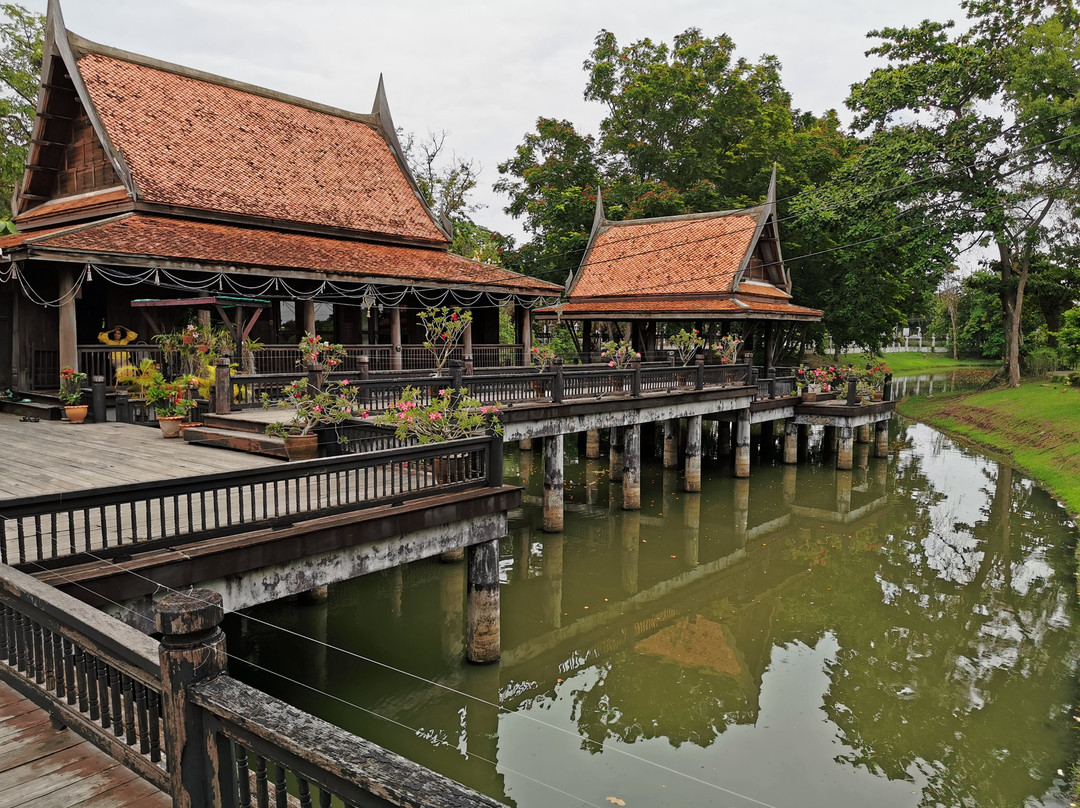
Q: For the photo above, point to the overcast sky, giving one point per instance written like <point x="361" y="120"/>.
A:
<point x="483" y="71"/>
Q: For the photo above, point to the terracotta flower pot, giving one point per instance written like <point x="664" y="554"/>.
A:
<point x="170" y="425"/>
<point x="301" y="447"/>
<point x="76" y="413"/>
<point x="809" y="397"/>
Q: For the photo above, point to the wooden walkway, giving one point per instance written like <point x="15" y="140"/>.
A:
<point x="45" y="767"/>
<point x="56" y="456"/>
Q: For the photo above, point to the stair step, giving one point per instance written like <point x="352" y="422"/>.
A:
<point x="46" y="411"/>
<point x="237" y="439"/>
<point x="232" y="424"/>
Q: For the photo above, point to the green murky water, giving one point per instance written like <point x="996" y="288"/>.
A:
<point x="903" y="634"/>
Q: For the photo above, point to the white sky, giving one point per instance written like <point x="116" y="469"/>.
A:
<point x="483" y="71"/>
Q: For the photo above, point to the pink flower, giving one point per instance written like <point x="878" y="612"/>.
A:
<point x="442" y="392"/>
<point x="316" y="408"/>
<point x="611" y="364"/>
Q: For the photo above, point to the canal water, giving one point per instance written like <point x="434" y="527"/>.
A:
<point x="903" y="634"/>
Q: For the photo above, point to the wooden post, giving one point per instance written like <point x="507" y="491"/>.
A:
<point x="692" y="482"/>
<point x="305" y="315"/>
<point x="466" y="342"/>
<point x="526" y="334"/>
<point x="592" y="444"/>
<point x="69" y="346"/>
<point x="222" y="386"/>
<point x="635" y="381"/>
<point x="615" y="454"/>
<point x="483" y="640"/>
<point x="557" y="382"/>
<point x="97" y="399"/>
<point x="395" y="338"/>
<point x="671" y="443"/>
<point x="553" y="484"/>
<point x="845" y="448"/>
<point x="852" y="391"/>
<point x="881" y="439"/>
<point x="699" y="377"/>
<point x="364" y="363"/>
<point x="742" y="444"/>
<point x="192" y="649"/>
<point x="632" y="468"/>
<point x="791" y="441"/>
<point x="123" y="406"/>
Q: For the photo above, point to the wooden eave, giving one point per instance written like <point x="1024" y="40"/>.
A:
<point x="76" y="216"/>
<point x="669" y="316"/>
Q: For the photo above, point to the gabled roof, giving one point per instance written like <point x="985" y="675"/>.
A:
<point x="191" y="143"/>
<point x="169" y="242"/>
<point x="722" y="264"/>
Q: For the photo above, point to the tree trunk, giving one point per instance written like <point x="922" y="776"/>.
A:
<point x="1012" y="300"/>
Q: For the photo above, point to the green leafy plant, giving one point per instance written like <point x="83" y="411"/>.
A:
<point x="314" y="350"/>
<point x="450" y="415"/>
<point x="727" y="349"/>
<point x="169" y="399"/>
<point x="335" y="403"/>
<point x="71" y="382"/>
<point x="618" y="355"/>
<point x="443" y="328"/>
<point x="137" y="378"/>
<point x="687" y="343"/>
<point x="543" y="356"/>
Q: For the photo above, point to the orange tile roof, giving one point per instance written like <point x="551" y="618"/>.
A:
<point x="761" y="289"/>
<point x="167" y="238"/>
<point x="705" y="308"/>
<point x="70" y="203"/>
<point x="198" y="144"/>
<point x="666" y="256"/>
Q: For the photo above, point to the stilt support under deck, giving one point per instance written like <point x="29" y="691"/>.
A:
<point x="845" y="447"/>
<point x="482" y="645"/>
<point x="742" y="444"/>
<point x="592" y="444"/>
<point x="553" y="484"/>
<point x="615" y="472"/>
<point x="671" y="443"/>
<point x="631" y="480"/>
<point x="881" y="439"/>
<point x="693" y="453"/>
<point x="791" y="441"/>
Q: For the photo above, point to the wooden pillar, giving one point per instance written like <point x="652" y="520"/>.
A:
<point x="692" y="480"/>
<point x="586" y="339"/>
<point x="395" y="338"/>
<point x="305" y="315"/>
<point x="632" y="468"/>
<point x="844" y="448"/>
<point x="592" y="444"/>
<point x="69" y="344"/>
<point x="482" y="635"/>
<point x="671" y="443"/>
<point x="863" y="434"/>
<point x="615" y="454"/>
<point x="223" y="394"/>
<point x="553" y="484"/>
<point x="526" y="334"/>
<point x="192" y="648"/>
<point x="466" y="343"/>
<point x="742" y="444"/>
<point x="881" y="439"/>
<point x="791" y="441"/>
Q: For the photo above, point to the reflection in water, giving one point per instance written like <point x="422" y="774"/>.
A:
<point x="900" y="634"/>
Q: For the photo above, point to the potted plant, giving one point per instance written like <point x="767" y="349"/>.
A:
<point x="71" y="382"/>
<point x="687" y="344"/>
<point x="170" y="402"/>
<point x="443" y="328"/>
<point x="450" y="415"/>
<point x="875" y="379"/>
<point x="333" y="404"/>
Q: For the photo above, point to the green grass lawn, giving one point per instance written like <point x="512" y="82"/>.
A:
<point x="1036" y="425"/>
<point x="911" y="362"/>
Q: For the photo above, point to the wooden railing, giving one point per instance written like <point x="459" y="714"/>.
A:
<point x="55" y="528"/>
<point x="172" y="714"/>
<point x="97" y="676"/>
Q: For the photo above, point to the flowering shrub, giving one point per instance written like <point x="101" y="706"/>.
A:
<point x="687" y="344"/>
<point x="333" y="404"/>
<point x="618" y="354"/>
<point x="816" y="380"/>
<point x="543" y="356"/>
<point x="169" y="399"/>
<point x="314" y="350"/>
<point x="196" y="347"/>
<point x="727" y="349"/>
<point x="71" y="382"/>
<point x="876" y="373"/>
<point x="443" y="328"/>
<point x="450" y="415"/>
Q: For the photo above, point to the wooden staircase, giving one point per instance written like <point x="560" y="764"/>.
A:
<point x="230" y="432"/>
<point x="33" y="405"/>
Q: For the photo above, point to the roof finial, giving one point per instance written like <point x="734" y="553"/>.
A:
<point x="598" y="216"/>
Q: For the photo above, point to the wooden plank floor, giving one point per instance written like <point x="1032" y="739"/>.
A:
<point x="44" y="767"/>
<point x="55" y="456"/>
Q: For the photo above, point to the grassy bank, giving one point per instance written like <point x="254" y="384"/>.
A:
<point x="1036" y="425"/>
<point x="911" y="362"/>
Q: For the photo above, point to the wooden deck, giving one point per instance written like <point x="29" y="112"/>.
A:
<point x="45" y="767"/>
<point x="55" y="456"/>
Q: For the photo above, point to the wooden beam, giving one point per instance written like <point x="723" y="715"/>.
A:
<point x="37" y="141"/>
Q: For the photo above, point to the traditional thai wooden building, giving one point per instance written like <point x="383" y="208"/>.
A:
<point x="713" y="268"/>
<point x="151" y="182"/>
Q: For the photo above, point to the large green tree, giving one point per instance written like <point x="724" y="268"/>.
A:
<point x="976" y="130"/>
<point x="22" y="35"/>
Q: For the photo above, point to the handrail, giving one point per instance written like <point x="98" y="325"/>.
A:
<point x="94" y="673"/>
<point x="265" y="732"/>
<point x="117" y="519"/>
